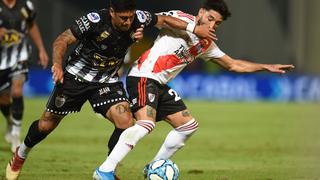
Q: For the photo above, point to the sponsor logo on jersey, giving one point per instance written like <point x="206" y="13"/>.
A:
<point x="60" y="100"/>
<point x="83" y="24"/>
<point x="93" y="17"/>
<point x="11" y="37"/>
<point x="104" y="90"/>
<point x="102" y="62"/>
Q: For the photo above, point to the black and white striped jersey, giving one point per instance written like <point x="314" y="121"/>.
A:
<point x="17" y="21"/>
<point x="101" y="48"/>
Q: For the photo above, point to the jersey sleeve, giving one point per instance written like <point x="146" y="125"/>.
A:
<point x="30" y="11"/>
<point x="213" y="52"/>
<point x="85" y="25"/>
<point x="146" y="18"/>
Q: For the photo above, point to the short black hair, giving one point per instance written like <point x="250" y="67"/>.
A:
<point x="123" y="5"/>
<point x="219" y="6"/>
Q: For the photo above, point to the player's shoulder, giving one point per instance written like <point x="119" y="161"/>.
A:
<point x="143" y="16"/>
<point x="27" y="4"/>
<point x="97" y="16"/>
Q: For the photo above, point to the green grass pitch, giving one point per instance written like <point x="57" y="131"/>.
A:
<point x="249" y="141"/>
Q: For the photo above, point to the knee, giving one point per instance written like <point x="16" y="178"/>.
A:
<point x="48" y="122"/>
<point x="189" y="128"/>
<point x="124" y="121"/>
<point x="16" y="92"/>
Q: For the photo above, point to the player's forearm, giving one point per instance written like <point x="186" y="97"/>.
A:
<point x="36" y="37"/>
<point x="172" y="22"/>
<point x="61" y="44"/>
<point x="242" y="66"/>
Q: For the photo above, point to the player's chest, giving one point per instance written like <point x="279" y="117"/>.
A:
<point x="13" y="18"/>
<point x="110" y="42"/>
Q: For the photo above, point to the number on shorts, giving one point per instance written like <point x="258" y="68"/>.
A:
<point x="175" y="94"/>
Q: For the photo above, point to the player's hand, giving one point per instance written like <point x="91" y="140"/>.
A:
<point x="204" y="31"/>
<point x="138" y="35"/>
<point x="279" y="68"/>
<point x="43" y="59"/>
<point x="57" y="73"/>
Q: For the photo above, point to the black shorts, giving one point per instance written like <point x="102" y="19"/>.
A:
<point x="69" y="97"/>
<point x="144" y="91"/>
<point x="6" y="76"/>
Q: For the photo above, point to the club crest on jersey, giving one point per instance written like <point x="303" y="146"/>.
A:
<point x="134" y="101"/>
<point x="142" y="17"/>
<point x="104" y="35"/>
<point x="93" y="17"/>
<point x="151" y="97"/>
<point x="120" y="92"/>
<point x="60" y="100"/>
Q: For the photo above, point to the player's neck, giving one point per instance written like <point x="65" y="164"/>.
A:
<point x="9" y="3"/>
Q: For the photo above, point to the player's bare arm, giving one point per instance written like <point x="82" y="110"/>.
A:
<point x="36" y="37"/>
<point x="243" y="66"/>
<point x="60" y="47"/>
<point x="202" y="31"/>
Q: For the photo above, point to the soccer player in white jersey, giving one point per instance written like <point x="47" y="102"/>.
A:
<point x="153" y="100"/>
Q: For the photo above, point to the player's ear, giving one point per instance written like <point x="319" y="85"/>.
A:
<point x="201" y="12"/>
<point x="111" y="11"/>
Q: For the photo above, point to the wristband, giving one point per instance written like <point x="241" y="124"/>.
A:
<point x="191" y="27"/>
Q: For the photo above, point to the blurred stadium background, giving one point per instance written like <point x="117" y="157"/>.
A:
<point x="265" y="31"/>
<point x="260" y="126"/>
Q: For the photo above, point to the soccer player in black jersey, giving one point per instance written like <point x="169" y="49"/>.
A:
<point x="16" y="23"/>
<point x="103" y="38"/>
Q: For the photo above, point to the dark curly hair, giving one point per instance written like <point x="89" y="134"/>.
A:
<point x="219" y="6"/>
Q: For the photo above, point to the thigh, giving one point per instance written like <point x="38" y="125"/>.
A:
<point x="179" y="118"/>
<point x="20" y="72"/>
<point x="169" y="103"/>
<point x="105" y="95"/>
<point x="49" y="121"/>
<point x="68" y="97"/>
<point x="120" y="115"/>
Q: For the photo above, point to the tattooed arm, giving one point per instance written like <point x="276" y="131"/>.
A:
<point x="60" y="47"/>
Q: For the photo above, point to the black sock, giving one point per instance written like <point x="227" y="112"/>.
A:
<point x="114" y="138"/>
<point x="17" y="109"/>
<point x="5" y="109"/>
<point x="34" y="136"/>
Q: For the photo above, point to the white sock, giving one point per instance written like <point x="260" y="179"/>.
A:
<point x="16" y="127"/>
<point x="23" y="151"/>
<point x="176" y="139"/>
<point x="128" y="139"/>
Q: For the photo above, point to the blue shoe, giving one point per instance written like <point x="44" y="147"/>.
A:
<point x="100" y="175"/>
